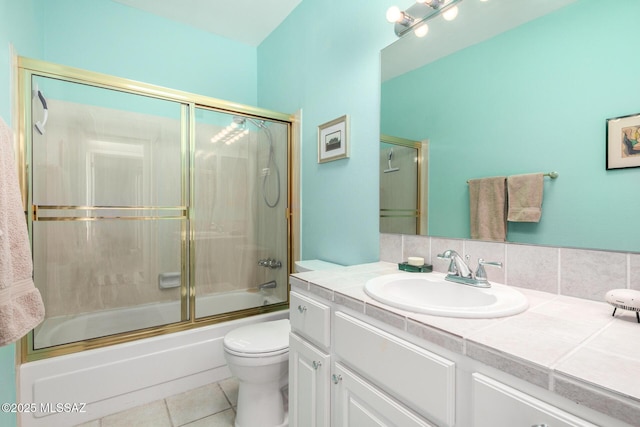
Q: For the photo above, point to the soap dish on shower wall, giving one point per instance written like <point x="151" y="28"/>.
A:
<point x="625" y="299"/>
<point x="425" y="268"/>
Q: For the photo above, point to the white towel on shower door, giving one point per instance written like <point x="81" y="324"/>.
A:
<point x="21" y="307"/>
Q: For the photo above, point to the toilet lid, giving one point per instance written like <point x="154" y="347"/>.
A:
<point x="265" y="337"/>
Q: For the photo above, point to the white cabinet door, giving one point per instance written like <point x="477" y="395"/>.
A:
<point x="309" y="391"/>
<point x="498" y="405"/>
<point x="360" y="404"/>
<point x="422" y="380"/>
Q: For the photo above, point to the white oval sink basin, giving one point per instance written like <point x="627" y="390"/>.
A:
<point x="430" y="293"/>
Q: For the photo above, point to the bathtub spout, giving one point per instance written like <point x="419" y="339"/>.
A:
<point x="268" y="285"/>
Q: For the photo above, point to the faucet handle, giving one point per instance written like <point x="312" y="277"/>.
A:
<point x="481" y="274"/>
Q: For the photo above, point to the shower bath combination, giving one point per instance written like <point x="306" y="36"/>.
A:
<point x="134" y="212"/>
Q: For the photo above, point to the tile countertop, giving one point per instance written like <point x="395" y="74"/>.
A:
<point x="571" y="346"/>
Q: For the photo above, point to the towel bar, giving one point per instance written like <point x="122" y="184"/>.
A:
<point x="552" y="175"/>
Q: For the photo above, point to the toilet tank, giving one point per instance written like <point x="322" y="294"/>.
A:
<point x="314" y="264"/>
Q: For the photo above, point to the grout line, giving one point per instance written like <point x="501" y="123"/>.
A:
<point x="168" y="412"/>
<point x="225" y="395"/>
<point x="580" y="345"/>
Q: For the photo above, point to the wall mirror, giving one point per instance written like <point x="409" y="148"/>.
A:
<point x="522" y="86"/>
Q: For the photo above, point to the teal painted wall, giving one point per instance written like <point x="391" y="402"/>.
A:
<point x="18" y="26"/>
<point x="107" y="37"/>
<point x="533" y="99"/>
<point x="324" y="59"/>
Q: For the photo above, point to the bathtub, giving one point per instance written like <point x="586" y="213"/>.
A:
<point x="76" y="388"/>
<point x="64" y="329"/>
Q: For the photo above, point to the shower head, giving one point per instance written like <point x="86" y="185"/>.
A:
<point x="390" y="169"/>
<point x="242" y="120"/>
<point x="39" y="125"/>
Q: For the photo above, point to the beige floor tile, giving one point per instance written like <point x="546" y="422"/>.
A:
<point x="94" y="423"/>
<point x="221" y="419"/>
<point x="230" y="389"/>
<point x="154" y="414"/>
<point x="196" y="404"/>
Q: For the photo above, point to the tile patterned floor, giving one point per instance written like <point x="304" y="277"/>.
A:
<point x="212" y="405"/>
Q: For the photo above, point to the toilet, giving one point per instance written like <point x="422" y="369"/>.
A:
<point x="258" y="356"/>
<point x="313" y="265"/>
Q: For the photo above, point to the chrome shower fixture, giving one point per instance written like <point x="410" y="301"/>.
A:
<point x="390" y="169"/>
<point x="416" y="16"/>
<point x="39" y="125"/>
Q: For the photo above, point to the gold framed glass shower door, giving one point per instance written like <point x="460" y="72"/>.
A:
<point x="109" y="210"/>
<point x="110" y="179"/>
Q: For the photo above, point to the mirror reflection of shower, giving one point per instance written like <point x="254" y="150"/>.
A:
<point x="389" y="158"/>
<point x="238" y="129"/>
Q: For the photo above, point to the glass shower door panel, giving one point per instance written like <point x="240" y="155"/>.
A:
<point x="239" y="198"/>
<point x="101" y="147"/>
<point x="104" y="277"/>
<point x="398" y="189"/>
<point x="109" y="210"/>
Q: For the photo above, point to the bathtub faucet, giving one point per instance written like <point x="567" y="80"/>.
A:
<point x="269" y="285"/>
<point x="270" y="263"/>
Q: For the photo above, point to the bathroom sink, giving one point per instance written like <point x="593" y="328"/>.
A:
<point x="430" y="293"/>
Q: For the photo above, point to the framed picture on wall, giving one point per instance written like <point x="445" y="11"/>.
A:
<point x="623" y="142"/>
<point x="333" y="140"/>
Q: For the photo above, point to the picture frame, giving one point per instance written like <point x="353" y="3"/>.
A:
<point x="333" y="140"/>
<point x="623" y="142"/>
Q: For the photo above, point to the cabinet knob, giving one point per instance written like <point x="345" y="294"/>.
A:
<point x="336" y="378"/>
<point x="302" y="308"/>
<point x="316" y="365"/>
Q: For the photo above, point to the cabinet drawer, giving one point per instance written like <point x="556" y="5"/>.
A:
<point x="310" y="319"/>
<point x="498" y="405"/>
<point x="421" y="379"/>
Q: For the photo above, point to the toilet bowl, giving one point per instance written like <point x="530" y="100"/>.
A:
<point x="258" y="356"/>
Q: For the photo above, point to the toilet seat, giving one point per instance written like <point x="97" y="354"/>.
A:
<point x="259" y="339"/>
<point x="265" y="354"/>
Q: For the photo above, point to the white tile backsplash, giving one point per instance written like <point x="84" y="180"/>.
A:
<point x="580" y="273"/>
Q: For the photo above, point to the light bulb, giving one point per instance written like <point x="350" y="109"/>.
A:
<point x="451" y="13"/>
<point x="421" y="30"/>
<point x="394" y="14"/>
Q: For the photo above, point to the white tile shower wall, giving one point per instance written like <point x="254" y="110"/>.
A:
<point x="580" y="273"/>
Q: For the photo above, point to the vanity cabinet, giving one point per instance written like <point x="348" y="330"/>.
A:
<point x="365" y="386"/>
<point x="419" y="378"/>
<point x="309" y="392"/>
<point x="348" y="370"/>
<point x="497" y="405"/>
<point x="358" y="403"/>
<point x="309" y="363"/>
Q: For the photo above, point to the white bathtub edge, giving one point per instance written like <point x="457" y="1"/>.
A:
<point x="119" y="377"/>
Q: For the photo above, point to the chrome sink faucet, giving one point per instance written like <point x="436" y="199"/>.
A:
<point x="460" y="272"/>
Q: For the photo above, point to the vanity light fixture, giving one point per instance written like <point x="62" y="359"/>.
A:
<point x="416" y="16"/>
<point x="450" y="14"/>
<point x="394" y="14"/>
